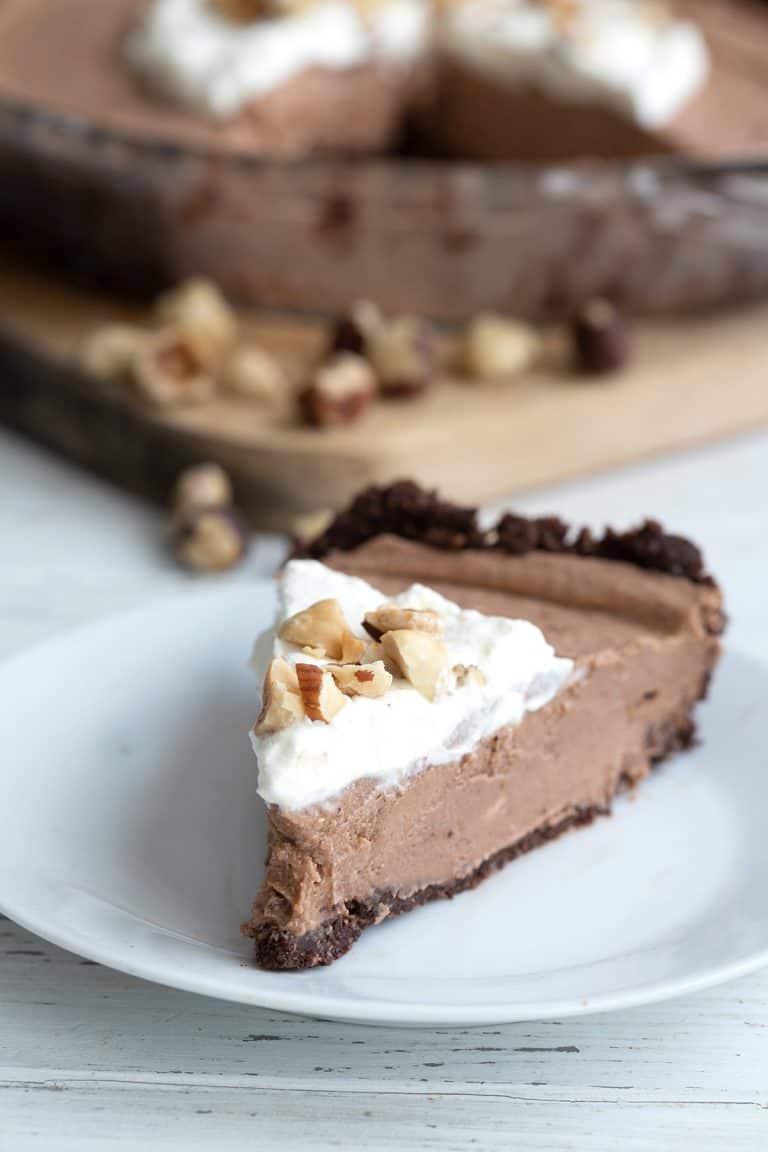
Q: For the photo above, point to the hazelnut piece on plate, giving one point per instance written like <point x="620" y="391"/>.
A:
<point x="600" y="339"/>
<point x="496" y="348"/>
<point x="404" y="355"/>
<point x="338" y="392"/>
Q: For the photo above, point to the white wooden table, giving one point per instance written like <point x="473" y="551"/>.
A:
<point x="93" y="1059"/>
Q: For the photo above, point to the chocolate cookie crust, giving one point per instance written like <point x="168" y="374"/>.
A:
<point x="279" y="950"/>
<point x="415" y="513"/>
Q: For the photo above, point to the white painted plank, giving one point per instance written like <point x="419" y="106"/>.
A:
<point x="81" y="1044"/>
<point x="71" y="1116"/>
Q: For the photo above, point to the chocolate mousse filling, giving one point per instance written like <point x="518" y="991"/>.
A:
<point x="640" y="617"/>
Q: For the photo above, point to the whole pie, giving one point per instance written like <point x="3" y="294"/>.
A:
<point x="440" y="698"/>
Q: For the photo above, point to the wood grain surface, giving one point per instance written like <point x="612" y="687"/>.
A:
<point x="690" y="381"/>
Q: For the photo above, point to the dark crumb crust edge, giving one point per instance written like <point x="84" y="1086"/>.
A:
<point x="415" y="513"/>
<point x="278" y="950"/>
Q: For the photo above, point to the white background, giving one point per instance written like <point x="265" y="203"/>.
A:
<point x="92" y="1059"/>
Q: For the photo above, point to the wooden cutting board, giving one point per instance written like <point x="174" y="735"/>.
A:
<point x="690" y="381"/>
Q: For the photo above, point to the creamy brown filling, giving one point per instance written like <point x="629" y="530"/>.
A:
<point x="358" y="108"/>
<point x="362" y="109"/>
<point x="644" y="643"/>
<point x="483" y="119"/>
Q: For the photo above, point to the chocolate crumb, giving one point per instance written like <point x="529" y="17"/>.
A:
<point x="415" y="513"/>
<point x="649" y="546"/>
<point x="402" y="509"/>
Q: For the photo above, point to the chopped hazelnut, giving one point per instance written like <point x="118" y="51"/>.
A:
<point x="107" y="353"/>
<point x="321" y="698"/>
<point x="321" y="627"/>
<point x="403" y="353"/>
<point x="467" y="674"/>
<point x="390" y="617"/>
<point x="202" y="486"/>
<point x="373" y="653"/>
<point x="315" y="653"/>
<point x="339" y="391"/>
<point x="370" y="680"/>
<point x="210" y="539"/>
<point x="600" y="339"/>
<point x="496" y="348"/>
<point x="253" y="373"/>
<point x="281" y="698"/>
<point x="167" y="369"/>
<point x="352" y="648"/>
<point x="353" y="332"/>
<point x="198" y="308"/>
<point x="421" y="658"/>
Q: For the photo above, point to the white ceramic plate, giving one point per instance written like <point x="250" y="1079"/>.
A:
<point x="132" y="834"/>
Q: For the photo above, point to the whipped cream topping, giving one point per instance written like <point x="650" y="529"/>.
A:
<point x="191" y="53"/>
<point x="629" y="54"/>
<point x="390" y="738"/>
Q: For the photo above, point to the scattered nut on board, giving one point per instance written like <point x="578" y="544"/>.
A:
<point x="108" y="352"/>
<point x="211" y="539"/>
<point x="404" y="356"/>
<point x="600" y="339"/>
<point x="354" y="330"/>
<point x="198" y="308"/>
<point x="202" y="486"/>
<point x="251" y="372"/>
<point x="338" y="392"/>
<point x="209" y="534"/>
<point x="497" y="348"/>
<point x="167" y="369"/>
<point x="190" y="353"/>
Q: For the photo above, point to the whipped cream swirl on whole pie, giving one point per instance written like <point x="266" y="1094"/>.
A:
<point x="632" y="55"/>
<point x="193" y="53"/>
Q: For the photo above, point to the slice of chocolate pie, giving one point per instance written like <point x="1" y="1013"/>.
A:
<point x="439" y="699"/>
